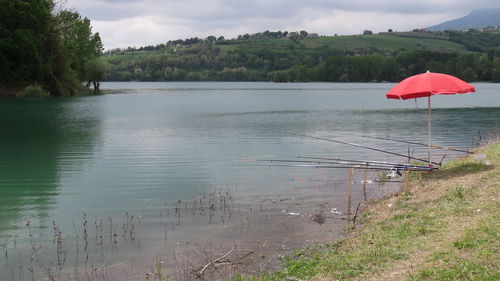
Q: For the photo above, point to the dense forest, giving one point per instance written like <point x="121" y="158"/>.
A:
<point x="46" y="50"/>
<point x="300" y="56"/>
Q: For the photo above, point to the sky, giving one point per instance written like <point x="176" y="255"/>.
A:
<point x="123" y="23"/>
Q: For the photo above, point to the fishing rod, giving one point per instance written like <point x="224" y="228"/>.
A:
<point x="371" y="148"/>
<point x="421" y="144"/>
<point x="357" y="164"/>
<point x="336" y="167"/>
<point x="359" y="161"/>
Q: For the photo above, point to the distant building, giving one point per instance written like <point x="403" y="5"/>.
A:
<point x="313" y="35"/>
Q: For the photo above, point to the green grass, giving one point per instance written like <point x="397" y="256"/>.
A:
<point x="447" y="229"/>
<point x="384" y="42"/>
<point x="474" y="256"/>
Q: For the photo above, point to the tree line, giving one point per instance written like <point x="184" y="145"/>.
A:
<point x="292" y="62"/>
<point x="46" y="48"/>
<point x="266" y="35"/>
<point x="379" y="68"/>
<point x="284" y="56"/>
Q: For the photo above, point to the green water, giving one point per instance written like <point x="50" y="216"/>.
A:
<point x="143" y="146"/>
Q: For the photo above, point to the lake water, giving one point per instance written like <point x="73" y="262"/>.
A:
<point x="156" y="168"/>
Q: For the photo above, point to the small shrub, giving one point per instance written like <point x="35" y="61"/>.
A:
<point x="33" y="91"/>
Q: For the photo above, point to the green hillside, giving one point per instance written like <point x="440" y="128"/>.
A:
<point x="385" y="42"/>
<point x="276" y="56"/>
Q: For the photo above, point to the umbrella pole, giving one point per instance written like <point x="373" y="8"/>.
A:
<point x="430" y="130"/>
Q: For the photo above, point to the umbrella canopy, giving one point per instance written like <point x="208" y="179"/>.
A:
<point x="426" y="85"/>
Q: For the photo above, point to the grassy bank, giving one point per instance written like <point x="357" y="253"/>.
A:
<point x="446" y="228"/>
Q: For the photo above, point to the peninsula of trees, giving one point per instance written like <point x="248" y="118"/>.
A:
<point x="45" y="49"/>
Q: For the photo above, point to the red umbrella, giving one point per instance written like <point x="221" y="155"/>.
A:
<point x="426" y="85"/>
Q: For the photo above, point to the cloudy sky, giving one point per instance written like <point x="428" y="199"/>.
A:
<point x="123" y="23"/>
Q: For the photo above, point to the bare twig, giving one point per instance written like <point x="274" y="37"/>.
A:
<point x="203" y="269"/>
<point x="355" y="216"/>
<point x="235" y="261"/>
<point x="244" y="256"/>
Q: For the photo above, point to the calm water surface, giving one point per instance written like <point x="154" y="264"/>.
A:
<point x="152" y="166"/>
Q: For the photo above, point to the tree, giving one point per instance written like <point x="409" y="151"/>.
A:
<point x="41" y="46"/>
<point x="280" y="76"/>
<point x="294" y="36"/>
<point x="82" y="45"/>
<point x="469" y="74"/>
<point x="496" y="72"/>
<point x="94" y="72"/>
<point x="24" y="31"/>
<point x="211" y="39"/>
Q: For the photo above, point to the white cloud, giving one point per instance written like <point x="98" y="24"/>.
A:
<point x="124" y="23"/>
<point x="351" y="22"/>
<point x="138" y="31"/>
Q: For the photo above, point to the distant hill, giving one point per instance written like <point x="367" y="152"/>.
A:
<point x="272" y="56"/>
<point x="476" y="19"/>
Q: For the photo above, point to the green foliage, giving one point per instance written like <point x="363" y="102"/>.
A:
<point x="496" y="73"/>
<point x="24" y="28"/>
<point x="33" y="91"/>
<point x="295" y="57"/>
<point x="39" y="45"/>
<point x="81" y="44"/>
<point x="474" y="40"/>
<point x="94" y="70"/>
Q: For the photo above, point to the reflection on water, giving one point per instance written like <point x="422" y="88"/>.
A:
<point x="113" y="181"/>
<point x="38" y="136"/>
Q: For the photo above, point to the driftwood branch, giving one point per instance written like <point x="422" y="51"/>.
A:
<point x="223" y="260"/>
<point x="244" y="256"/>
<point x="233" y="262"/>
<point x="203" y="269"/>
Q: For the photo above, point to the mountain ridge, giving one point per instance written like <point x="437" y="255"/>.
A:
<point x="476" y="19"/>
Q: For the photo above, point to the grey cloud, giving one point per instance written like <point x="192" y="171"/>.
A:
<point x="231" y="9"/>
<point x="229" y="16"/>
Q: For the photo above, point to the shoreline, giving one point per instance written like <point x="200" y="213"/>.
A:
<point x="14" y="91"/>
<point x="383" y="239"/>
<point x="445" y="228"/>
